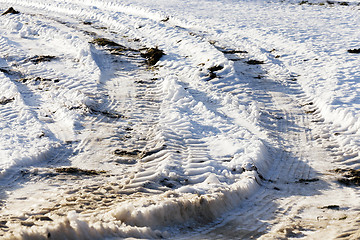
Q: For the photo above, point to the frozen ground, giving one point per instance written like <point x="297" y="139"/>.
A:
<point x="247" y="127"/>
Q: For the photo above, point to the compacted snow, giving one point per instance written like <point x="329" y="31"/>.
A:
<point x="245" y="124"/>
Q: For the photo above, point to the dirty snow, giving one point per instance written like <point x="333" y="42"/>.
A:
<point x="247" y="127"/>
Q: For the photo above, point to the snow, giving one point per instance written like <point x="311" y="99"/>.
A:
<point x="251" y="98"/>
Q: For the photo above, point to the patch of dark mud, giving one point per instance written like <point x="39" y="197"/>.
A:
<point x="3" y="224"/>
<point x="11" y="10"/>
<point x="104" y="42"/>
<point x="106" y="113"/>
<point x="339" y="3"/>
<point x="77" y="171"/>
<point x="134" y="40"/>
<point x="147" y="153"/>
<point x="152" y="55"/>
<point x="332" y="207"/>
<point x="307" y="104"/>
<point x="121" y="50"/>
<point x="254" y="62"/>
<point x="215" y="68"/>
<point x="38" y="59"/>
<point x="143" y="82"/>
<point x="354" y="50"/>
<point x="129" y="129"/>
<point x="42" y="218"/>
<point x="306" y="181"/>
<point x="7" y="71"/>
<point x="212" y="71"/>
<point x="349" y="177"/>
<point x="127" y="153"/>
<point x="329" y="3"/>
<point x="114" y="48"/>
<point x="27" y="224"/>
<point x="310" y="111"/>
<point x="90" y="33"/>
<point x="112" y="114"/>
<point x="6" y="101"/>
<point x="233" y="51"/>
<point x="235" y="59"/>
<point x="38" y="79"/>
<point x="345" y="236"/>
<point x="101" y="27"/>
<point x="165" y="19"/>
<point x="169" y="183"/>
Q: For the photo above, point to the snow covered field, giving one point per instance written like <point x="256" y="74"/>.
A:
<point x="202" y="119"/>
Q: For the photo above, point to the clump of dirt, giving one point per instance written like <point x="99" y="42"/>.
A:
<point x="303" y="2"/>
<point x="4" y="70"/>
<point x="233" y="51"/>
<point x="254" y="62"/>
<point x="38" y="79"/>
<point x="104" y="42"/>
<point x="38" y="59"/>
<point x="214" y="69"/>
<point x="77" y="171"/>
<point x="308" y="180"/>
<point x="42" y="218"/>
<point x="11" y="10"/>
<point x="310" y="111"/>
<point x="120" y="152"/>
<point x="106" y="113"/>
<point x="307" y="104"/>
<point x="115" y="48"/>
<point x="350" y="177"/>
<point x="165" y="19"/>
<point x="112" y="114"/>
<point x="354" y="50"/>
<point x="323" y="3"/>
<point x="332" y="207"/>
<point x="147" y="153"/>
<point x="152" y="55"/>
<point x="6" y="101"/>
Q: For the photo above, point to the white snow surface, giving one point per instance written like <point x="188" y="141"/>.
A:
<point x="251" y="98"/>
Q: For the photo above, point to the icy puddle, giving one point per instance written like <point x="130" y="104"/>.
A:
<point x="120" y="121"/>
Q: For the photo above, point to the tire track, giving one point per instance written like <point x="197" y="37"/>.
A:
<point x="275" y="207"/>
<point x="81" y="196"/>
<point x="165" y="159"/>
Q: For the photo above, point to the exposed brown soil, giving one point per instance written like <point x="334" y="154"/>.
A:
<point x="38" y="59"/>
<point x="349" y="177"/>
<point x="152" y="55"/>
<point x="77" y="171"/>
<point x="212" y="71"/>
<point x="254" y="62"/>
